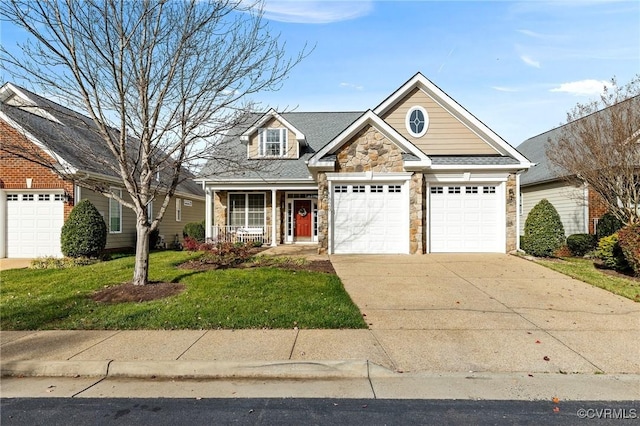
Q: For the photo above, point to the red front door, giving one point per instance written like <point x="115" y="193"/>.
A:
<point x="302" y="211"/>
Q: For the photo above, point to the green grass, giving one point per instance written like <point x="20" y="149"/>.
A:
<point x="230" y="299"/>
<point x="584" y="270"/>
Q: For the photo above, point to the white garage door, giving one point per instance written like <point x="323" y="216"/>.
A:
<point x="467" y="218"/>
<point x="370" y="218"/>
<point x="34" y="222"/>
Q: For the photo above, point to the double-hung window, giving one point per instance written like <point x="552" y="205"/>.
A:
<point x="115" y="212"/>
<point x="273" y="142"/>
<point x="247" y="210"/>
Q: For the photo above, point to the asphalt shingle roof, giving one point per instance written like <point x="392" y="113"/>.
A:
<point x="319" y="129"/>
<point x="74" y="137"/>
<point x="535" y="149"/>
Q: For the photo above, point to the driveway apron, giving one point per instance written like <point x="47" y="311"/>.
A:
<point x="490" y="312"/>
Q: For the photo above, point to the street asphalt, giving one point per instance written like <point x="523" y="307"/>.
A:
<point x="463" y="326"/>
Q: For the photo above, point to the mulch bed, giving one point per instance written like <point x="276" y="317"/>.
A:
<point x="312" y="266"/>
<point x="128" y="292"/>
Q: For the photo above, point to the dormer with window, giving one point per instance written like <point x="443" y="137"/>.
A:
<point x="272" y="136"/>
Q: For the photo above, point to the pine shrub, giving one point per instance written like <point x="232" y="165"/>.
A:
<point x="610" y="252"/>
<point x="543" y="230"/>
<point x="581" y="244"/>
<point x="629" y="241"/>
<point x="84" y="234"/>
<point x="608" y="224"/>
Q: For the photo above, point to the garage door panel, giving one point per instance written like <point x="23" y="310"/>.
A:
<point x="370" y="220"/>
<point x="465" y="219"/>
<point x="34" y="223"/>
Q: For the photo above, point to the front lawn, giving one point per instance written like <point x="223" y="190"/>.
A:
<point x="584" y="270"/>
<point x="228" y="298"/>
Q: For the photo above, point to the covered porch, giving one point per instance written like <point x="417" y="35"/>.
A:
<point x="261" y="215"/>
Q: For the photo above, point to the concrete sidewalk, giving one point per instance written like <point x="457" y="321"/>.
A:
<point x="466" y="326"/>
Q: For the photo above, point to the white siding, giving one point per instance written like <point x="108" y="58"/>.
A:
<point x="568" y="200"/>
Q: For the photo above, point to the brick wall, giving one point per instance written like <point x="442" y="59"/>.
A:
<point x="14" y="170"/>
<point x="597" y="208"/>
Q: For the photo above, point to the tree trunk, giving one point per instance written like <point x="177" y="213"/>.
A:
<point x="141" y="270"/>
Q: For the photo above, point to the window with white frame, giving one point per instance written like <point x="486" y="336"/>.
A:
<point x="273" y="142"/>
<point x="417" y="121"/>
<point x="247" y="210"/>
<point x="178" y="209"/>
<point x="115" y="212"/>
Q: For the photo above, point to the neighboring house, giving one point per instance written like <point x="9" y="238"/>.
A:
<point x="35" y="201"/>
<point x="579" y="207"/>
<point x="417" y="174"/>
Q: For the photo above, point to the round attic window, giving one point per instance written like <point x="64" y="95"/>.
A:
<point x="417" y="121"/>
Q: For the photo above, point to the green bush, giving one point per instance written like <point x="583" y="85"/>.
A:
<point x="581" y="244"/>
<point x="610" y="252"/>
<point x="194" y="230"/>
<point x="84" y="234"/>
<point x="629" y="241"/>
<point x="543" y="230"/>
<point x="608" y="224"/>
<point x="154" y="238"/>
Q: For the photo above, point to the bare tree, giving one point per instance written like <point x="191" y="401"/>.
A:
<point x="599" y="145"/>
<point x="161" y="81"/>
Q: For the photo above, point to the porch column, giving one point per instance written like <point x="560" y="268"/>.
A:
<point x="273" y="218"/>
<point x="208" y="213"/>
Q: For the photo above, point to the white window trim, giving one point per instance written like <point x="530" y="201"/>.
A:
<point x="284" y="148"/>
<point x="426" y="121"/>
<point x="246" y="207"/>
<point x="178" y="210"/>
<point x="118" y="192"/>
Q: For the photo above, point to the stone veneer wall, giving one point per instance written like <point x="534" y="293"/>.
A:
<point x="220" y="200"/>
<point x="416" y="214"/>
<point x="511" y="213"/>
<point x="370" y="150"/>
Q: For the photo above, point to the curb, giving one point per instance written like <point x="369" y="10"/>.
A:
<point x="30" y="368"/>
<point x="190" y="369"/>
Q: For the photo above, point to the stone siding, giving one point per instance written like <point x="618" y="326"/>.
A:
<point x="511" y="213"/>
<point x="369" y="150"/>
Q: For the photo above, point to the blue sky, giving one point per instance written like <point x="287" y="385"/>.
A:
<point x="517" y="66"/>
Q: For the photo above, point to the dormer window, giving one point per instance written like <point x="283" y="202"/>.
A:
<point x="273" y="142"/>
<point x="417" y="121"/>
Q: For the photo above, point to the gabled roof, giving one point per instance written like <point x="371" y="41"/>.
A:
<point x="319" y="128"/>
<point x="419" y="81"/>
<point x="325" y="158"/>
<point x="273" y="114"/>
<point x="51" y="126"/>
<point x="535" y="148"/>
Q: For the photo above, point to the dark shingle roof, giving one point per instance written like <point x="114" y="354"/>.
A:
<point x="535" y="149"/>
<point x="472" y="160"/>
<point x="319" y="129"/>
<point x="73" y="137"/>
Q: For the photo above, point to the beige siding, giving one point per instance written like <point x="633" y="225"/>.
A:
<point x="169" y="227"/>
<point x="567" y="199"/>
<point x="446" y="135"/>
<point x="292" y="142"/>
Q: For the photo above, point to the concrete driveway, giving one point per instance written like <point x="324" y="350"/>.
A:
<point x="490" y="312"/>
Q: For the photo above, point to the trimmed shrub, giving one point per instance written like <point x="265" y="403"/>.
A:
<point x="581" y="244"/>
<point x="629" y="241"/>
<point x="543" y="230"/>
<point x="84" y="234"/>
<point x="611" y="254"/>
<point x="194" y="230"/>
<point x="608" y="224"/>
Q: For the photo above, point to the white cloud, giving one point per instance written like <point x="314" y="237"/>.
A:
<point x="583" y="87"/>
<point x="315" y="12"/>
<point x="351" y="86"/>
<point x="529" y="61"/>
<point x="504" y="89"/>
<point x="531" y="34"/>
